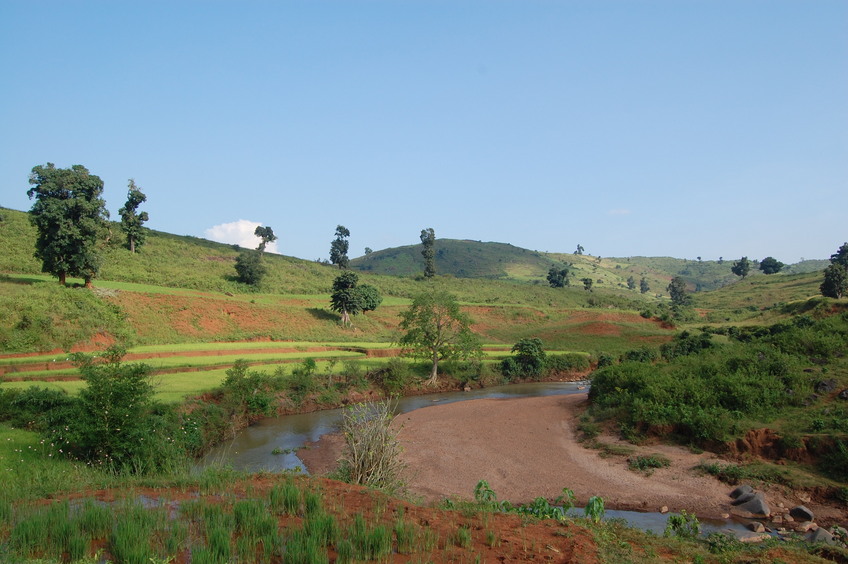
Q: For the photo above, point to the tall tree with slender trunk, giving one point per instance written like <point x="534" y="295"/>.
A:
<point x="339" y="247"/>
<point x="132" y="222"/>
<point x="428" y="239"/>
<point x="70" y="216"/>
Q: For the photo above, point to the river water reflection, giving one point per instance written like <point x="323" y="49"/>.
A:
<point x="253" y="448"/>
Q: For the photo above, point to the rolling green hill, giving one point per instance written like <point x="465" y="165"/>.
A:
<point x="502" y="261"/>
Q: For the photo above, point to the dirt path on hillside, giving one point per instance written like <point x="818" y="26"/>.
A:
<point x="526" y="448"/>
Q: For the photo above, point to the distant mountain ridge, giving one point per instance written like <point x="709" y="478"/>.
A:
<point x="503" y="261"/>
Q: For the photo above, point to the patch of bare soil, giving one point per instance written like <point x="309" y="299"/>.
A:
<point x="525" y="448"/>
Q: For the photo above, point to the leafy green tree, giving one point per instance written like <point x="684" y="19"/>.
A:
<point x="70" y="216"/>
<point x="677" y="290"/>
<point x="428" y="239"/>
<point x="115" y="424"/>
<point x="368" y="251"/>
<point x="835" y="284"/>
<point x="371" y="297"/>
<point x="558" y="277"/>
<point x="587" y="284"/>
<point x="771" y="265"/>
<point x="266" y="234"/>
<point x="631" y="283"/>
<point x="339" y="247"/>
<point x="250" y="268"/>
<point x="644" y="287"/>
<point x="350" y="298"/>
<point x="132" y="222"/>
<point x="841" y="256"/>
<point x="436" y="329"/>
<point x="741" y="267"/>
<point x="528" y="360"/>
<point x="579" y="250"/>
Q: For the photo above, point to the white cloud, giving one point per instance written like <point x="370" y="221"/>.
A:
<point x="239" y="233"/>
<point x="619" y="211"/>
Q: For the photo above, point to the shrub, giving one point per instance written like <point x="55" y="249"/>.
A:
<point x="648" y="463"/>
<point x="570" y="362"/>
<point x="685" y="525"/>
<point x="250" y="394"/>
<point x="371" y="455"/>
<point x="392" y="378"/>
<point x="528" y="360"/>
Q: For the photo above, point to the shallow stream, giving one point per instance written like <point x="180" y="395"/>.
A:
<point x="271" y="444"/>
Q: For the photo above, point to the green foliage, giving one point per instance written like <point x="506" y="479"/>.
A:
<point x="393" y="378"/>
<point x="558" y="276"/>
<point x="685" y="525"/>
<point x="741" y="267"/>
<point x="249" y="395"/>
<point x="528" y="360"/>
<point x="594" y="509"/>
<point x="642" y="354"/>
<point x="587" y="283"/>
<point x="644" y="287"/>
<point x="677" y="291"/>
<point x="70" y="216"/>
<point x="648" y="463"/>
<point x="564" y="363"/>
<point x="771" y="265"/>
<point x="266" y="235"/>
<point x="339" y="247"/>
<point x="428" y="241"/>
<point x="704" y="393"/>
<point x="114" y="423"/>
<point x="250" y="268"/>
<point x="436" y="329"/>
<point x="631" y="283"/>
<point x="835" y="283"/>
<point x="835" y="462"/>
<point x="686" y="344"/>
<point x="349" y="298"/>
<point x="132" y="222"/>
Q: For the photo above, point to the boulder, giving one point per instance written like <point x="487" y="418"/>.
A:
<point x="801" y="513"/>
<point x="825" y="386"/>
<point x="757" y="527"/>
<point x="745" y="497"/>
<point x="755" y="508"/>
<point x="743" y="489"/>
<point x="843" y="395"/>
<point x="664" y="509"/>
<point x="820" y="535"/>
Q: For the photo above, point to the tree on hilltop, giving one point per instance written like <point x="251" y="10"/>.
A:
<point x="435" y="329"/>
<point x="266" y="234"/>
<point x="835" y="284"/>
<point x="741" y="267"/>
<point x="771" y="265"/>
<point x="70" y="216"/>
<point x="428" y="240"/>
<point x="132" y="222"/>
<point x="841" y="256"/>
<point x="339" y="247"/>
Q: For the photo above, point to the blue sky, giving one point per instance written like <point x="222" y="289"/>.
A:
<point x="663" y="128"/>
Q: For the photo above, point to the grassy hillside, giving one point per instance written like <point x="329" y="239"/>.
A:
<point x="476" y="259"/>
